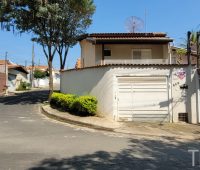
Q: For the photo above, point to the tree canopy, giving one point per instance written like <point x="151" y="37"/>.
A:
<point x="54" y="24"/>
<point x="38" y="74"/>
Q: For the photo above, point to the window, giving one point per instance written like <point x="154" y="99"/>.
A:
<point x="107" y="52"/>
<point x="142" y="54"/>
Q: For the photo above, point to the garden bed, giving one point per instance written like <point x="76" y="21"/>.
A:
<point x="76" y="105"/>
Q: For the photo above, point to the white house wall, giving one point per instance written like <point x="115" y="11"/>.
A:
<point x="97" y="82"/>
<point x="87" y="53"/>
<point x="101" y="82"/>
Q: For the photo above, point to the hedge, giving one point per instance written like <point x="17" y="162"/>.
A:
<point x="79" y="105"/>
<point x="84" y="105"/>
<point x="63" y="101"/>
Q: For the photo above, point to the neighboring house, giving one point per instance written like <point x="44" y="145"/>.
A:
<point x="2" y="79"/>
<point x="134" y="77"/>
<point x="16" y="74"/>
<point x="45" y="81"/>
<point x="182" y="58"/>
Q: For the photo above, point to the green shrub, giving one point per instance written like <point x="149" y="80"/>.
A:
<point x="63" y="101"/>
<point x="55" y="99"/>
<point x="85" y="105"/>
<point x="66" y="101"/>
<point x="23" y="86"/>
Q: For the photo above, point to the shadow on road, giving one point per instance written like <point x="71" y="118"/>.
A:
<point x="141" y="154"/>
<point x="30" y="97"/>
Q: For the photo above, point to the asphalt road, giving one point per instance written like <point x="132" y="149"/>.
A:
<point x="29" y="140"/>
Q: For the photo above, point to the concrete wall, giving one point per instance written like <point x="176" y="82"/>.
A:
<point x="91" y="55"/>
<point x="87" y="54"/>
<point x="97" y="82"/>
<point x="2" y="79"/>
<point x="101" y="83"/>
<point x="182" y="59"/>
<point x="44" y="82"/>
<point x="2" y="68"/>
<point x="2" y="82"/>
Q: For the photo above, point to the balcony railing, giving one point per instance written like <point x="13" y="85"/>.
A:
<point x="133" y="61"/>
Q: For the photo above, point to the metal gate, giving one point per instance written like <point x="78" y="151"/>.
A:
<point x="142" y="98"/>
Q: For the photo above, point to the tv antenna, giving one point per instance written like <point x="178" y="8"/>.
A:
<point x="134" y="24"/>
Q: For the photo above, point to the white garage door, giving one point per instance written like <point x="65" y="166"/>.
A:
<point x="142" y="99"/>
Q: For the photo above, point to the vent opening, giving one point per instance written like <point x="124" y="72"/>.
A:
<point x="183" y="117"/>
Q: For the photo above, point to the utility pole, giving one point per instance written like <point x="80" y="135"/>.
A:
<point x="32" y="70"/>
<point x="6" y="72"/>
<point x="198" y="34"/>
<point x="188" y="47"/>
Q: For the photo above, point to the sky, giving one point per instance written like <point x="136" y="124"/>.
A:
<point x="174" y="17"/>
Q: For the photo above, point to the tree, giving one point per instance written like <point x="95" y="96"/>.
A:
<point x="55" y="24"/>
<point x="77" y="16"/>
<point x="38" y="74"/>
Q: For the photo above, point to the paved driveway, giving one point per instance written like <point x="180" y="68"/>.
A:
<point x="29" y="140"/>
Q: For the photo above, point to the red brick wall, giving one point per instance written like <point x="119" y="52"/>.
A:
<point x="2" y="82"/>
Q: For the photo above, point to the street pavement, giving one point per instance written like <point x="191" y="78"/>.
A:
<point x="29" y="140"/>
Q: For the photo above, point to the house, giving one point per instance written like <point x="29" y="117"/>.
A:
<point x="44" y="83"/>
<point x="135" y="78"/>
<point x="16" y="74"/>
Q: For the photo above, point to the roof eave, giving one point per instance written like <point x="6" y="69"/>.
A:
<point x="19" y="68"/>
<point x="138" y="41"/>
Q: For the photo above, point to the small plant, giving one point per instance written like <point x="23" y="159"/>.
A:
<point x="23" y="86"/>
<point x="80" y="105"/>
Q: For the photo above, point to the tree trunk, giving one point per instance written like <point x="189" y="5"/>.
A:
<point x="50" y="80"/>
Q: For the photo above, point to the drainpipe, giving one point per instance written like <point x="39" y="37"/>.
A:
<point x="189" y="108"/>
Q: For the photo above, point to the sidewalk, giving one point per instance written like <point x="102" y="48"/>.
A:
<point x="180" y="130"/>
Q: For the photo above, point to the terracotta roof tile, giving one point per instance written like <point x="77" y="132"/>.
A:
<point x="18" y="67"/>
<point x="40" y="67"/>
<point x="2" y="62"/>
<point x="14" y="66"/>
<point x="126" y="36"/>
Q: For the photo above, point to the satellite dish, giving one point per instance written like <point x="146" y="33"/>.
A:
<point x="134" y="24"/>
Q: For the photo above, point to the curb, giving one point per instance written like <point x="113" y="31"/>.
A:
<point x="70" y="121"/>
<point x="97" y="127"/>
